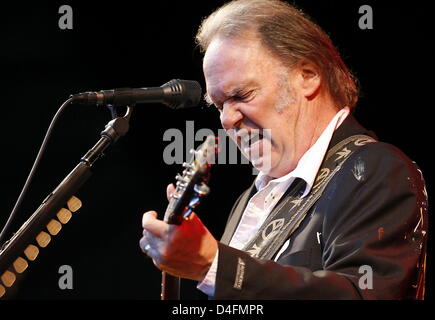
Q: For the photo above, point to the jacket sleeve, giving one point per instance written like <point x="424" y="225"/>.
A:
<point x="374" y="230"/>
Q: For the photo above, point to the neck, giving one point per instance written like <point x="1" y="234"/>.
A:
<point x="321" y="112"/>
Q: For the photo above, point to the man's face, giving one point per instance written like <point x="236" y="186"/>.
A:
<point x="253" y="92"/>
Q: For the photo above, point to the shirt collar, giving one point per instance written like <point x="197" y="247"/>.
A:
<point x="310" y="162"/>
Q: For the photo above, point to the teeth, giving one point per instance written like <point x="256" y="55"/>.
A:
<point x="255" y="138"/>
<point x="248" y="138"/>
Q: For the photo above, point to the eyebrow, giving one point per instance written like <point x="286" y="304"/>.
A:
<point x="235" y="91"/>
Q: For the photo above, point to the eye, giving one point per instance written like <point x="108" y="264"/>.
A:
<point x="243" y="96"/>
<point x="239" y="96"/>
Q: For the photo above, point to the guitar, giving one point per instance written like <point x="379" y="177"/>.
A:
<point x="191" y="186"/>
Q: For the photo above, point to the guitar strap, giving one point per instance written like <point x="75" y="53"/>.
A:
<point x="289" y="214"/>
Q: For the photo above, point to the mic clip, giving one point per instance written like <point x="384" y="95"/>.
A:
<point x="114" y="129"/>
<point x="115" y="111"/>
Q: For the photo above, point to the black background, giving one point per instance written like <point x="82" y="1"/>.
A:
<point x="145" y="44"/>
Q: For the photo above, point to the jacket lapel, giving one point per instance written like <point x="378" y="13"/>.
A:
<point x="349" y="127"/>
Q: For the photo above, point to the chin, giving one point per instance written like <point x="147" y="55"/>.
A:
<point x="263" y="166"/>
<point x="274" y="171"/>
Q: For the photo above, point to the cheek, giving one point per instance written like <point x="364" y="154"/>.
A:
<point x="280" y="145"/>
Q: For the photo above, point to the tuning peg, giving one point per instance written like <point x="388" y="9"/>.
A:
<point x="181" y="184"/>
<point x="175" y="196"/>
<point x="188" y="173"/>
<point x="201" y="189"/>
<point x="187" y="213"/>
<point x="187" y="165"/>
<point x="193" y="203"/>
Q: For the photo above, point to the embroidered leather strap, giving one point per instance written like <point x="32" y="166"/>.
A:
<point x="285" y="219"/>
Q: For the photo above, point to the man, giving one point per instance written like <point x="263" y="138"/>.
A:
<point x="334" y="214"/>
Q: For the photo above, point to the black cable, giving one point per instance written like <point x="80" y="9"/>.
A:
<point x="34" y="167"/>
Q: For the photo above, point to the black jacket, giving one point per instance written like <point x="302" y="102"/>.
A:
<point x="370" y="220"/>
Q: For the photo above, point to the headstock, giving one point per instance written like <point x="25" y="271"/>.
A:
<point x="191" y="185"/>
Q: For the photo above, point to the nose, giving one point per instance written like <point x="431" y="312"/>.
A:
<point x="230" y="116"/>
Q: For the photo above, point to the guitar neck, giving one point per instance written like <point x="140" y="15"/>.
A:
<point x="190" y="188"/>
<point x="170" y="287"/>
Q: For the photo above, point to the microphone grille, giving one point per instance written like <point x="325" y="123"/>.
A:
<point x="180" y="94"/>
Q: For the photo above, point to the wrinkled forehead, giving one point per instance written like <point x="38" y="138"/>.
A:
<point x="228" y="64"/>
<point x="229" y="51"/>
<point x="234" y="62"/>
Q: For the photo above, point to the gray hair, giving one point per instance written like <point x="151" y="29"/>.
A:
<point x="288" y="34"/>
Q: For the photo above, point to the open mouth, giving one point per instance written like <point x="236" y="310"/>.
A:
<point x="250" y="143"/>
<point x="252" y="138"/>
<point x="256" y="146"/>
<point x="245" y="138"/>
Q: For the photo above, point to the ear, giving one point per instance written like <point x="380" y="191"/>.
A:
<point x="308" y="79"/>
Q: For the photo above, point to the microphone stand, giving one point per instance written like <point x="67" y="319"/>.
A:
<point x="13" y="248"/>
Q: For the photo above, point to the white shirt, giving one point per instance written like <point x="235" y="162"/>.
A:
<point x="270" y="192"/>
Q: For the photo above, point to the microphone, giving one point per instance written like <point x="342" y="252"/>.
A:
<point x="177" y="94"/>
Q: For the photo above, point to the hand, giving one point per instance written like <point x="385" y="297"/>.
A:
<point x="186" y="251"/>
